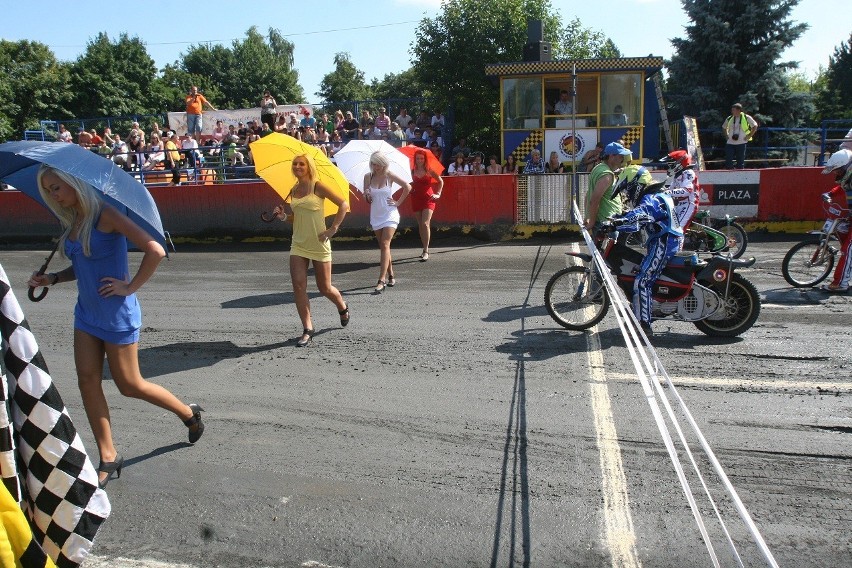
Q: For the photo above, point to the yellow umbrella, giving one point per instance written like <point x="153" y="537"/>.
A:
<point x="273" y="161"/>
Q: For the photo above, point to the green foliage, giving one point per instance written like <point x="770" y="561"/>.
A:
<point x="33" y="87"/>
<point x="405" y="85"/>
<point x="577" y="42"/>
<point x="112" y="78"/>
<point x="451" y="51"/>
<point x="345" y="83"/>
<point x="834" y="88"/>
<point x="731" y="53"/>
<point x="236" y="77"/>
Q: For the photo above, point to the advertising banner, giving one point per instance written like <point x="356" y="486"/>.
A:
<point x="177" y="120"/>
<point x="566" y="146"/>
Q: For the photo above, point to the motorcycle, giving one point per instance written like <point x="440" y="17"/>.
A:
<point x="703" y="235"/>
<point x="809" y="262"/>
<point x="697" y="238"/>
<point x="708" y="293"/>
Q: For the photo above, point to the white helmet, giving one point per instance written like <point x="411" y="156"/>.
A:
<point x="837" y="160"/>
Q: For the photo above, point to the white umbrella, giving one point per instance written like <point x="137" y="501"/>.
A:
<point x="354" y="160"/>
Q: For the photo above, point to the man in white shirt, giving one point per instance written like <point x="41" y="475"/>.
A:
<point x="563" y="105"/>
<point x="438" y="122"/>
<point x="64" y="135"/>
<point x="402" y="118"/>
<point x="190" y="150"/>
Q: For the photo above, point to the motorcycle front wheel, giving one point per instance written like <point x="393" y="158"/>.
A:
<point x="741" y="308"/>
<point x="737" y="238"/>
<point x="575" y="297"/>
<point x="808" y="263"/>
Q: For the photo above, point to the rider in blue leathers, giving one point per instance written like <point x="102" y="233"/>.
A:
<point x="654" y="210"/>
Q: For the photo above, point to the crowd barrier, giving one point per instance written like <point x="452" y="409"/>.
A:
<point x="770" y="199"/>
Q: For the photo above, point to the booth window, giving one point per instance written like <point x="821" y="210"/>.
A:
<point x="587" y="102"/>
<point x="621" y="99"/>
<point x="522" y="104"/>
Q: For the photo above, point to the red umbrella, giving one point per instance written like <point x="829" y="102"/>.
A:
<point x="432" y="163"/>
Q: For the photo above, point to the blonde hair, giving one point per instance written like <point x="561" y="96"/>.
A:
<point x="312" y="167"/>
<point x="88" y="199"/>
<point x="379" y="159"/>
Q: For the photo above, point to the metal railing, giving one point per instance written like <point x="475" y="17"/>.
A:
<point x="547" y="198"/>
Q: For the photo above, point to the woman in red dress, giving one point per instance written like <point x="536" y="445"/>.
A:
<point x="423" y="197"/>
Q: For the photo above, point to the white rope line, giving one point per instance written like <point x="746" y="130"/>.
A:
<point x="635" y="341"/>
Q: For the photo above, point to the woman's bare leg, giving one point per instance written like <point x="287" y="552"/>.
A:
<point x="322" y="272"/>
<point x="384" y="236"/>
<point x="424" y="225"/>
<point x="299" y="277"/>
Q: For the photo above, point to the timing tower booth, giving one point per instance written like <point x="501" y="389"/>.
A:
<point x="616" y="99"/>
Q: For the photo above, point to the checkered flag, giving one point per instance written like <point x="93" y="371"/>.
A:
<point x="42" y="459"/>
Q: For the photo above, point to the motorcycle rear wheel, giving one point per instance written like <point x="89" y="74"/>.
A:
<point x="742" y="307"/>
<point x="737" y="238"/>
<point x="576" y="298"/>
<point x="807" y="263"/>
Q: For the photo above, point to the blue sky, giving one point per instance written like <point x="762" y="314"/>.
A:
<point x="377" y="34"/>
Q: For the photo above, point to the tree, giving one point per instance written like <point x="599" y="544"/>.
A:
<point x="113" y="78"/>
<point x="834" y="87"/>
<point x="345" y="83"/>
<point x="577" y="42"/>
<point x="236" y="77"/>
<point x="405" y="85"/>
<point x="452" y="50"/>
<point x="33" y="87"/>
<point x="731" y="53"/>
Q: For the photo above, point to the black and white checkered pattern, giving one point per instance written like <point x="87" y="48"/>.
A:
<point x="42" y="459"/>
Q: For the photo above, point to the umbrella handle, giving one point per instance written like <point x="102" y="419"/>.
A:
<point x="31" y="292"/>
<point x="267" y="217"/>
<point x="36" y="298"/>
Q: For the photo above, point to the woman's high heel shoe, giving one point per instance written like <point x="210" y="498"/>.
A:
<point x="307" y="335"/>
<point x="380" y="286"/>
<point x="112" y="469"/>
<point x="195" y="421"/>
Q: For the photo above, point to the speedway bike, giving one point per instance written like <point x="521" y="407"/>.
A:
<point x="707" y="293"/>
<point x="702" y="236"/>
<point x="810" y="262"/>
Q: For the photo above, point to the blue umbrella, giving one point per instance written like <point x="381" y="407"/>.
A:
<point x="20" y="162"/>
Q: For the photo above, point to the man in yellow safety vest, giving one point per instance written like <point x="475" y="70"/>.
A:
<point x="739" y="128"/>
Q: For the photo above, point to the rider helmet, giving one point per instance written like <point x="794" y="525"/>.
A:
<point x="634" y="186"/>
<point x="838" y="160"/>
<point x="678" y="161"/>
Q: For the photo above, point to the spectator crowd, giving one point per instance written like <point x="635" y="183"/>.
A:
<point x="229" y="144"/>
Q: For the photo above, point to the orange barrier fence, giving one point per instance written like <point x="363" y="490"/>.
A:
<point x="223" y="211"/>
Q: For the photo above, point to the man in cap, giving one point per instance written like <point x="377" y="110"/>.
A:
<point x="739" y="129"/>
<point x="599" y="202"/>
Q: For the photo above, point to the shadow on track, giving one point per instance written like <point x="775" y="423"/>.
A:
<point x="186" y="355"/>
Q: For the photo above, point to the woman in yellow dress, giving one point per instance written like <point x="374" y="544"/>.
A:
<point x="311" y="241"/>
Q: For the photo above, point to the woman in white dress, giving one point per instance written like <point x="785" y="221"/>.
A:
<point x="384" y="212"/>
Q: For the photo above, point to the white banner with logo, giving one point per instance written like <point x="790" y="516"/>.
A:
<point x="177" y="120"/>
<point x="568" y="147"/>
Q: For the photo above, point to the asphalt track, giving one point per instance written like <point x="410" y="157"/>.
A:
<point x="453" y="423"/>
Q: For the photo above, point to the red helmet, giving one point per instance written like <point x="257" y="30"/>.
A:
<point x="681" y="156"/>
<point x="678" y="161"/>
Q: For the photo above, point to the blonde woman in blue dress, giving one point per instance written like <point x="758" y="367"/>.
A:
<point x="384" y="212"/>
<point x="311" y="241"/>
<point x="107" y="316"/>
